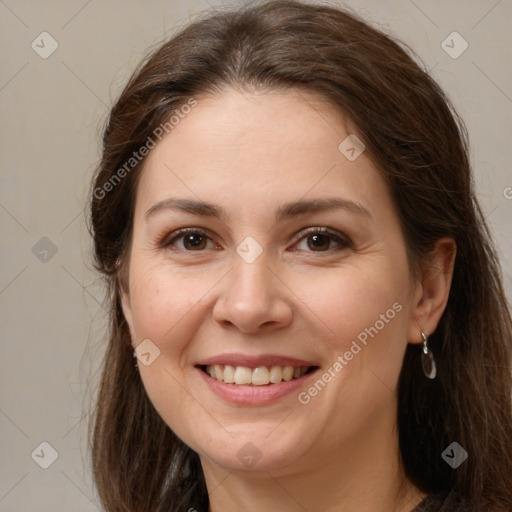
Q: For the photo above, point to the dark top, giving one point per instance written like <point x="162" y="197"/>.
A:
<point x="446" y="502"/>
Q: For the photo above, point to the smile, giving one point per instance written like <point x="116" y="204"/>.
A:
<point x="258" y="376"/>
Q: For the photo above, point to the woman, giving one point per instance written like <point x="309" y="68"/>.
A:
<point x="294" y="254"/>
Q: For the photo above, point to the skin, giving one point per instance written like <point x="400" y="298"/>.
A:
<point x="250" y="153"/>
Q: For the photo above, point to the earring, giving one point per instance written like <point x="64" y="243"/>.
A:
<point x="135" y="355"/>
<point x="427" y="360"/>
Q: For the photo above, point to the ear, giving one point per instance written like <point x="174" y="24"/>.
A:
<point x="431" y="293"/>
<point x="127" y="311"/>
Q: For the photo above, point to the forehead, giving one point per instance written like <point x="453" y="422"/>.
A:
<point x="237" y="146"/>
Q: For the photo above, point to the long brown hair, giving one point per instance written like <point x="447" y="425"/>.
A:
<point x="419" y="144"/>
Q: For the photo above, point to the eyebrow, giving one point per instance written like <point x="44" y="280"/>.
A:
<point x="286" y="211"/>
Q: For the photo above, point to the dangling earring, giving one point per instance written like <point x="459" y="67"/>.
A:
<point x="427" y="360"/>
<point x="135" y="355"/>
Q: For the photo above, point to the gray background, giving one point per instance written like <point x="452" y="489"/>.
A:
<point x="52" y="112"/>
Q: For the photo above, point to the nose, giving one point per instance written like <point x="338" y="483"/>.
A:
<point x="253" y="298"/>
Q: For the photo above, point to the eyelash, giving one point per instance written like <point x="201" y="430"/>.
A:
<point x="343" y="241"/>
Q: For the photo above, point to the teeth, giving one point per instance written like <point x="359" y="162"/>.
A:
<point x="219" y="372"/>
<point x="243" y="375"/>
<point x="229" y="374"/>
<point x="276" y="374"/>
<point x="260" y="376"/>
<point x="288" y="373"/>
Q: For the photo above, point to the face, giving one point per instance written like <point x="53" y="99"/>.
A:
<point x="261" y="253"/>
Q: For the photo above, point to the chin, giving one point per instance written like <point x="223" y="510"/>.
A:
<point x="248" y="452"/>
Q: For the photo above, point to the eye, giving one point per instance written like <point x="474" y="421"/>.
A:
<point x="320" y="240"/>
<point x="188" y="239"/>
<point x="315" y="239"/>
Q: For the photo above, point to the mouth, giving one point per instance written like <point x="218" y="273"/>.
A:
<point x="250" y="380"/>
<point x="255" y="376"/>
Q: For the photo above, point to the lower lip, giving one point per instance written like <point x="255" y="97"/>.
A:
<point x="253" y="395"/>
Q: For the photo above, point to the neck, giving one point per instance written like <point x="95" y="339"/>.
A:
<point x="365" y="476"/>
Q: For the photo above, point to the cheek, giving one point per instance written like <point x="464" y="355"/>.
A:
<point x="166" y="303"/>
<point x="366" y="312"/>
<point x="164" y="309"/>
<point x="347" y="301"/>
<point x="157" y="305"/>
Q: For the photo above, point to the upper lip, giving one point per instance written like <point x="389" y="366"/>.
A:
<point x="254" y="361"/>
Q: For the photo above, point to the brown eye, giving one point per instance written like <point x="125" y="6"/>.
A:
<point x="187" y="240"/>
<point x="194" y="242"/>
<point x="318" y="242"/>
<point x="321" y="240"/>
